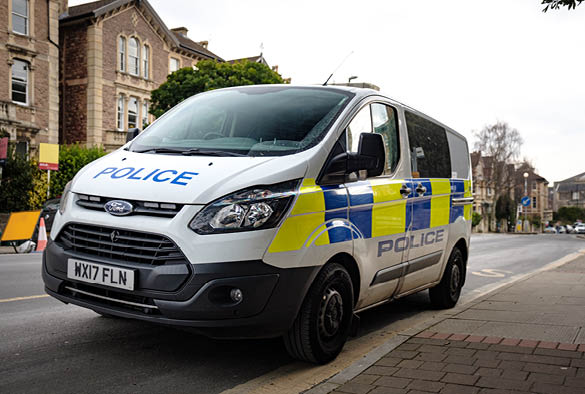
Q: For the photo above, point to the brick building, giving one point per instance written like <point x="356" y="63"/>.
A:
<point x="29" y="70"/>
<point x="113" y="54"/>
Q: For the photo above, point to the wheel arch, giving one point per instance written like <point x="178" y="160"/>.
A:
<point x="349" y="263"/>
<point x="462" y="246"/>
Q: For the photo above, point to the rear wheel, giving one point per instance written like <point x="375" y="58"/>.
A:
<point x="446" y="294"/>
<point x="324" y="321"/>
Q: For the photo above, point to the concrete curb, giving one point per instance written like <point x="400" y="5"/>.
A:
<point x="376" y="354"/>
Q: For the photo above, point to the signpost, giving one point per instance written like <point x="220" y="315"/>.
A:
<point x="525" y="201"/>
<point x="48" y="160"/>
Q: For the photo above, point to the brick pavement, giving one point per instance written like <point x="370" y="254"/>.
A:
<point x="469" y="365"/>
<point x="527" y="337"/>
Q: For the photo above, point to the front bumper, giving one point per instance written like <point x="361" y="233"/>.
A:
<point x="193" y="295"/>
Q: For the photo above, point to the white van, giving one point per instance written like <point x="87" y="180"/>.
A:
<point x="267" y="211"/>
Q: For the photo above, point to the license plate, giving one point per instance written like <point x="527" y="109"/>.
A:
<point x="106" y="275"/>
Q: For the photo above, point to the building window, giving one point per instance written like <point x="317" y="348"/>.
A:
<point x="120" y="123"/>
<point x="144" y="114"/>
<point x="145" y="61"/>
<point x="173" y="65"/>
<point x="122" y="53"/>
<point x="20" y="81"/>
<point x="533" y="185"/>
<point x="132" y="112"/>
<point x="20" y="16"/>
<point x="489" y="191"/>
<point x="133" y="57"/>
<point x="575" y="196"/>
<point x="534" y="202"/>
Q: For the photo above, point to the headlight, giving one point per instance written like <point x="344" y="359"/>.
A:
<point x="64" y="198"/>
<point x="255" y="208"/>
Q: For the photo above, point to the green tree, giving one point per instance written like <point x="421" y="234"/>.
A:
<point x="556" y="4"/>
<point x="72" y="158"/>
<point x="209" y="75"/>
<point x="18" y="183"/>
<point x="475" y="219"/>
<point x="570" y="214"/>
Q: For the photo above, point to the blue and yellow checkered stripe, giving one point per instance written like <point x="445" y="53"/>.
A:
<point x="368" y="209"/>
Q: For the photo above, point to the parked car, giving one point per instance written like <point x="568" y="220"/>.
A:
<point x="48" y="212"/>
<point x="550" y="230"/>
<point x="570" y="229"/>
<point x="580" y="229"/>
<point x="562" y="230"/>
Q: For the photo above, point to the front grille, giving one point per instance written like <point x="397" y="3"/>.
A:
<point x="148" y="208"/>
<point x="111" y="298"/>
<point x="118" y="244"/>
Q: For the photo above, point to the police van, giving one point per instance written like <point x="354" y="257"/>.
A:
<point x="268" y="211"/>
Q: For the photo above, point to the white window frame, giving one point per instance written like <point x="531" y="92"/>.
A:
<point x="146" y="61"/>
<point x="134" y="61"/>
<point x="144" y="118"/>
<point x="171" y="62"/>
<point x="26" y="81"/>
<point x="120" y="113"/>
<point x="122" y="53"/>
<point x="25" y="17"/>
<point x="136" y="113"/>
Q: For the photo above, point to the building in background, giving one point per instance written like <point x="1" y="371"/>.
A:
<point x="260" y="59"/>
<point x="539" y="210"/>
<point x="569" y="193"/>
<point x="113" y="54"/>
<point x="29" y="71"/>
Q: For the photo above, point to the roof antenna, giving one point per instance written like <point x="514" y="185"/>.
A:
<point x="340" y="64"/>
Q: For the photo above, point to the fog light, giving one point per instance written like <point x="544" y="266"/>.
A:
<point x="236" y="295"/>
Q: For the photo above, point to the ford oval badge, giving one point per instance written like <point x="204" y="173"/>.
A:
<point x="118" y="207"/>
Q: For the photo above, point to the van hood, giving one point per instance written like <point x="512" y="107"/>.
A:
<point x="181" y="179"/>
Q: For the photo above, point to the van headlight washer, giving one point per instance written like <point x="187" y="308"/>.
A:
<point x="254" y="208"/>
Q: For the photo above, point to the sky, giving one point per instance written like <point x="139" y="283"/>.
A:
<point x="466" y="63"/>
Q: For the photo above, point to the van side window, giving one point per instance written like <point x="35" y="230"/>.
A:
<point x="429" y="149"/>
<point x="384" y="120"/>
<point x="361" y="123"/>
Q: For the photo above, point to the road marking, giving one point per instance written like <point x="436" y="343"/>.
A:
<point x="492" y="273"/>
<point x="23" y="298"/>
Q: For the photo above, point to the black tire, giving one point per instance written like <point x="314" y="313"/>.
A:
<point x="324" y="321"/>
<point x="446" y="294"/>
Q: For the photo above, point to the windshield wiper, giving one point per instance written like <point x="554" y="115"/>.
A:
<point x="189" y="152"/>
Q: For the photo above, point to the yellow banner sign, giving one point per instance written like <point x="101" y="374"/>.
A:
<point x="21" y="225"/>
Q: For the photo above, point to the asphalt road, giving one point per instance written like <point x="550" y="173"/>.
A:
<point x="49" y="347"/>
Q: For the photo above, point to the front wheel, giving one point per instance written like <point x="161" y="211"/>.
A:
<point x="446" y="294"/>
<point x="324" y="321"/>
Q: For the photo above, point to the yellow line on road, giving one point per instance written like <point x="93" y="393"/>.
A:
<point x="23" y="298"/>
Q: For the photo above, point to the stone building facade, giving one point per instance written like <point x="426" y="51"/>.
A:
<point x="537" y="189"/>
<point x="29" y="70"/>
<point x="569" y="192"/>
<point x="113" y="54"/>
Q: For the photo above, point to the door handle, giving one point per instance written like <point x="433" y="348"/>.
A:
<point x="420" y="189"/>
<point x="405" y="190"/>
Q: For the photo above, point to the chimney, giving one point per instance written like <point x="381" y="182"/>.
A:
<point x="203" y="44"/>
<point x="275" y="69"/>
<point x="181" y="30"/>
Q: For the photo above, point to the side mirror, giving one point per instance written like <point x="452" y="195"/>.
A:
<point x="132" y="133"/>
<point x="371" y="157"/>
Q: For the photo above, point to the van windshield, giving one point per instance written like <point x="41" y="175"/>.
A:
<point x="248" y="121"/>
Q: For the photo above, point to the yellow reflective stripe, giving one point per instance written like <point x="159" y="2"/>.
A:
<point x="323" y="237"/>
<point x="441" y="186"/>
<point x="295" y="231"/>
<point x="467" y="210"/>
<point x="440" y="202"/>
<point x="384" y="191"/>
<point x="310" y="199"/>
<point x="309" y="182"/>
<point x="389" y="218"/>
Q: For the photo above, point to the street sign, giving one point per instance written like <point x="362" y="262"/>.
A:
<point x="21" y="225"/>
<point x="526" y="201"/>
<point x="48" y="156"/>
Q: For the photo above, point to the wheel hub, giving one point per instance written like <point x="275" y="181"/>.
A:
<point x="455" y="280"/>
<point x="331" y="312"/>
